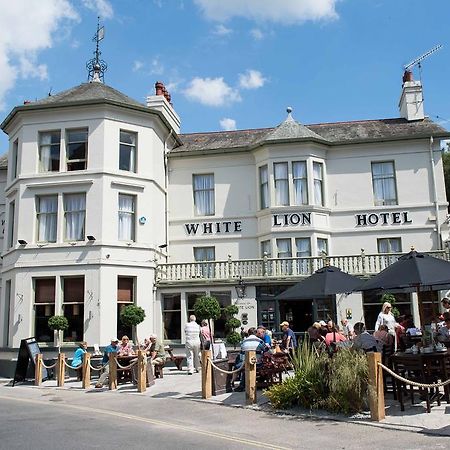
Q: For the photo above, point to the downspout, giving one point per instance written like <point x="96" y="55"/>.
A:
<point x="435" y="197"/>
<point x="166" y="187"/>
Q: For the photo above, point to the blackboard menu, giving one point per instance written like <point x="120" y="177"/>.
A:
<point x="28" y="350"/>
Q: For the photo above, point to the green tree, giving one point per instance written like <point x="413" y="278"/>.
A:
<point x="233" y="337"/>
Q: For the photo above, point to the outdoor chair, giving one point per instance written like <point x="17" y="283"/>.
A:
<point x="412" y="369"/>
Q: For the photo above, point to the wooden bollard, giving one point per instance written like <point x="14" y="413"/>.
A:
<point x="206" y="374"/>
<point x="86" y="370"/>
<point x="250" y="377"/>
<point x="61" y="369"/>
<point x="112" y="371"/>
<point x="141" y="371"/>
<point x="38" y="370"/>
<point x="376" y="387"/>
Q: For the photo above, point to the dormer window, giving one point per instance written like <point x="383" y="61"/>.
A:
<point x="76" y="149"/>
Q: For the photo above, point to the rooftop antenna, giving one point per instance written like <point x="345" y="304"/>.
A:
<point x="97" y="67"/>
<point x="417" y="62"/>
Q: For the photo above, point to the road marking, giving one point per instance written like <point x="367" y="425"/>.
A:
<point x="153" y="422"/>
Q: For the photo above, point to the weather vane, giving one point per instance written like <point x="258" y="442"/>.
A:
<point x="97" y="67"/>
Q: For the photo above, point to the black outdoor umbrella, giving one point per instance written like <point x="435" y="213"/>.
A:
<point x="413" y="271"/>
<point x="328" y="280"/>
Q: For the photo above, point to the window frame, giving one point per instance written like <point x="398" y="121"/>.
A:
<point x="210" y="192"/>
<point x="281" y="185"/>
<point x="11" y="223"/>
<point x="266" y="247"/>
<point x="389" y="244"/>
<point x="51" y="145"/>
<point x="41" y="214"/>
<point x="49" y="306"/>
<point x="327" y="246"/>
<point x="303" y="181"/>
<point x="264" y="197"/>
<point x="15" y="160"/>
<point x="383" y="201"/>
<point x="77" y="309"/>
<point x="319" y="181"/>
<point x="68" y="143"/>
<point x="131" y="214"/>
<point x="132" y="148"/>
<point x="82" y="238"/>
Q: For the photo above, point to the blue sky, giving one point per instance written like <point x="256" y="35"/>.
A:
<point x="234" y="63"/>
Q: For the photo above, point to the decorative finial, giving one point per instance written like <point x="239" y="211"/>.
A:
<point x="289" y="111"/>
<point x="97" y="67"/>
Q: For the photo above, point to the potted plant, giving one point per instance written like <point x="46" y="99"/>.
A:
<point x="132" y="316"/>
<point x="207" y="308"/>
<point x="233" y="337"/>
<point x="58" y="324"/>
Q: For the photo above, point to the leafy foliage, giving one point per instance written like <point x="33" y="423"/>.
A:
<point x="232" y="323"/>
<point x="132" y="315"/>
<point x="58" y="323"/>
<point x="233" y="338"/>
<point x="338" y="384"/>
<point x="207" y="308"/>
<point x="230" y="311"/>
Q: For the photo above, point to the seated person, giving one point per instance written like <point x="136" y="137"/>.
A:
<point x="254" y="341"/>
<point x="444" y="331"/>
<point x="334" y="335"/>
<point x="364" y="340"/>
<point x="112" y="348"/>
<point x="77" y="360"/>
<point x="314" y="333"/>
<point x="125" y="348"/>
<point x="382" y="335"/>
<point x="347" y="329"/>
<point x="157" y="352"/>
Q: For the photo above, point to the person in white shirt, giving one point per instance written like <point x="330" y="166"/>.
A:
<point x="192" y="333"/>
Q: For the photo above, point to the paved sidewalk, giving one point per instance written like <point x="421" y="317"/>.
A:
<point x="179" y="385"/>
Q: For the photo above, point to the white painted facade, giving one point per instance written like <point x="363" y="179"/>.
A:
<point x="164" y="211"/>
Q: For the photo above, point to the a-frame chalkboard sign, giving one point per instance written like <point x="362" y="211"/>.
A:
<point x="28" y="350"/>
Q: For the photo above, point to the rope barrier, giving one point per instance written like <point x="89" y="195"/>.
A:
<point x="51" y="366"/>
<point x="413" y="383"/>
<point x="126" y="367"/>
<point x="70" y="366"/>
<point x="226" y="371"/>
<point x="97" y="368"/>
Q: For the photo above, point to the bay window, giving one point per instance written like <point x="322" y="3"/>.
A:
<point x="318" y="183"/>
<point x="76" y="149"/>
<point x="300" y="180"/>
<point x="281" y="184"/>
<point x="264" y="187"/>
<point x="127" y="151"/>
<point x="47" y="215"/>
<point x="49" y="151"/>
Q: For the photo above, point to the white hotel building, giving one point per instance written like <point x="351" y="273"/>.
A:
<point x="106" y="204"/>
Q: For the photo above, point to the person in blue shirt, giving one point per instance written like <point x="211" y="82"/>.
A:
<point x="77" y="360"/>
<point x="112" y="348"/>
<point x="289" y="339"/>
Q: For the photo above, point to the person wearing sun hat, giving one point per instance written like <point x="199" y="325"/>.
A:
<point x="111" y="348"/>
<point x="289" y="341"/>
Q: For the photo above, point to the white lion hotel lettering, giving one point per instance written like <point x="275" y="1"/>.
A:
<point x="214" y="227"/>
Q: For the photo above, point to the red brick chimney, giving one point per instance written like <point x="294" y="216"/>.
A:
<point x="159" y="88"/>
<point x="407" y="76"/>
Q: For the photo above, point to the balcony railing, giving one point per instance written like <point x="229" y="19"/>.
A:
<point x="277" y="268"/>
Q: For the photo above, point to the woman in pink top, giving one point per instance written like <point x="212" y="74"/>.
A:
<point x="205" y="336"/>
<point x="334" y="336"/>
<point x="125" y="348"/>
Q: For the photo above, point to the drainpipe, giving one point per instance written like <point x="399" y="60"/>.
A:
<point x="435" y="197"/>
<point x="166" y="186"/>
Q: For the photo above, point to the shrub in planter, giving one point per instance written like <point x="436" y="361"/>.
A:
<point x="58" y="324"/>
<point x="347" y="381"/>
<point x="207" y="308"/>
<point x="132" y="316"/>
<point x="233" y="337"/>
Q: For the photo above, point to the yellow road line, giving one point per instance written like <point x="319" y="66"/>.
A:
<point x="153" y="422"/>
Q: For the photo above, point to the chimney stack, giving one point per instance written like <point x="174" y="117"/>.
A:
<point x="411" y="99"/>
<point x="161" y="101"/>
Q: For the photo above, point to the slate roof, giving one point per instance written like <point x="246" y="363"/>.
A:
<point x="337" y="133"/>
<point x="87" y="92"/>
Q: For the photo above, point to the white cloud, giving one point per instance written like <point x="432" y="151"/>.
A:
<point x="256" y="34"/>
<point x="222" y="30"/>
<point x="156" y="67"/>
<point x="228" y="124"/>
<point x="211" y="92"/>
<point x="285" y="12"/>
<point x="137" y="65"/>
<point x="21" y="42"/>
<point x="102" y="7"/>
<point x="251" y="79"/>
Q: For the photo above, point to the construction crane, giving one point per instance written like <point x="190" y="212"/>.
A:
<point x="417" y="61"/>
